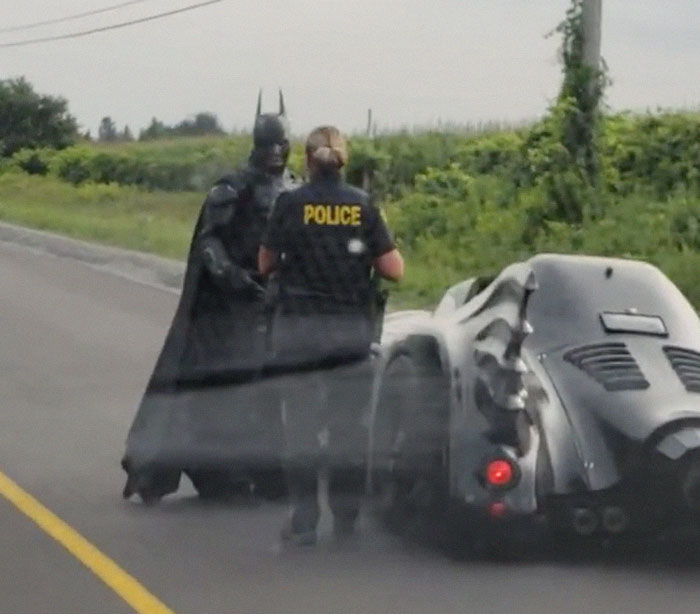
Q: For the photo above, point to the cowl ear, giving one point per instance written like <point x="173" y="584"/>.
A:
<point x="283" y="111"/>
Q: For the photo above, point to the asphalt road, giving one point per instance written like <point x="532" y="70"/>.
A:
<point x="76" y="348"/>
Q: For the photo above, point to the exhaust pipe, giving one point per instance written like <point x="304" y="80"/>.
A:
<point x="615" y="519"/>
<point x="584" y="520"/>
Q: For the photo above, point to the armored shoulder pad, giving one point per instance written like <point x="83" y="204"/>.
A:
<point x="222" y="194"/>
<point x="231" y="186"/>
<point x="238" y="179"/>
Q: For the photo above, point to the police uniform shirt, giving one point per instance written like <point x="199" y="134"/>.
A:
<point x="326" y="234"/>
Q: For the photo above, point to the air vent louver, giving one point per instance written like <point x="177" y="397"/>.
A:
<point x="686" y="364"/>
<point x="609" y="364"/>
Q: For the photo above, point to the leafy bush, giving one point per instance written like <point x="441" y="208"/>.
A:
<point x="172" y="167"/>
<point x="31" y="161"/>
<point x="460" y="204"/>
<point x="29" y="119"/>
<point x="454" y="225"/>
<point x="661" y="152"/>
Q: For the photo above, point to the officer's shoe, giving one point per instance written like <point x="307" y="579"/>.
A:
<point x="298" y="538"/>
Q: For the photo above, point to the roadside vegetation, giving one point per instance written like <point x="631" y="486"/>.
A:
<point x="149" y="221"/>
<point x="461" y="202"/>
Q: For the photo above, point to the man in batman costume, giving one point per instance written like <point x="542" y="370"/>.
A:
<point x="206" y="403"/>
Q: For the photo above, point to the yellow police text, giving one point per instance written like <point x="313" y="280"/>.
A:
<point x="332" y="215"/>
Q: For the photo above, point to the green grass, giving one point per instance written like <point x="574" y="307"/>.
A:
<point x="464" y="233"/>
<point x="155" y="222"/>
<point x="460" y="204"/>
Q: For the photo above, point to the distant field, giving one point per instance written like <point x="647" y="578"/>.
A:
<point x="156" y="222"/>
<point x="460" y="203"/>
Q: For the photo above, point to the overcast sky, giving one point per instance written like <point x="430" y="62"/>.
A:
<point x="414" y="62"/>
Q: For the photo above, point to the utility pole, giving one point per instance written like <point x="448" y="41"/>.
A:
<point x="591" y="19"/>
<point x="367" y="173"/>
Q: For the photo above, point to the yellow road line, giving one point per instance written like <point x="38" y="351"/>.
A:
<point x="124" y="585"/>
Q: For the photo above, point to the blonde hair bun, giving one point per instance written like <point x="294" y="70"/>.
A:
<point x="327" y="147"/>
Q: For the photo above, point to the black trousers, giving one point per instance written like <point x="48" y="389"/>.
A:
<point x="323" y="425"/>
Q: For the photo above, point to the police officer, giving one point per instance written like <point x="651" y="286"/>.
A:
<point x="325" y="240"/>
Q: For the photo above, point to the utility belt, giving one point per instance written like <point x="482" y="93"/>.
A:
<point x="371" y="304"/>
<point x="299" y="300"/>
<point x="311" y="327"/>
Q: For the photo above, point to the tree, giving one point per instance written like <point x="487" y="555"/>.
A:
<point x="155" y="130"/>
<point x="31" y="120"/>
<point x="126" y="135"/>
<point x="202" y="124"/>
<point x="107" y="132"/>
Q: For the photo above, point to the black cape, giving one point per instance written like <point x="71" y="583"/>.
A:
<point x="205" y="404"/>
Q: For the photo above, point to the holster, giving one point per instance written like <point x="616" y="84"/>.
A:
<point x="377" y="306"/>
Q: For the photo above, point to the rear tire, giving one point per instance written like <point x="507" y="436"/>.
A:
<point x="409" y="473"/>
<point x="411" y="467"/>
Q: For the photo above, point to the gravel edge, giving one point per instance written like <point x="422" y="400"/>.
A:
<point x="137" y="266"/>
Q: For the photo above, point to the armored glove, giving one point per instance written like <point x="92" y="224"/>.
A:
<point x="242" y="282"/>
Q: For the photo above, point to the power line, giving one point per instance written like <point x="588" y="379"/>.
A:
<point x="115" y="26"/>
<point x="48" y="22"/>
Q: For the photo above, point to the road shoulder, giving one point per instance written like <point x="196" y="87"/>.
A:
<point x="140" y="267"/>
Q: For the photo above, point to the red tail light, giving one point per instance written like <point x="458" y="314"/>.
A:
<point x="499" y="472"/>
